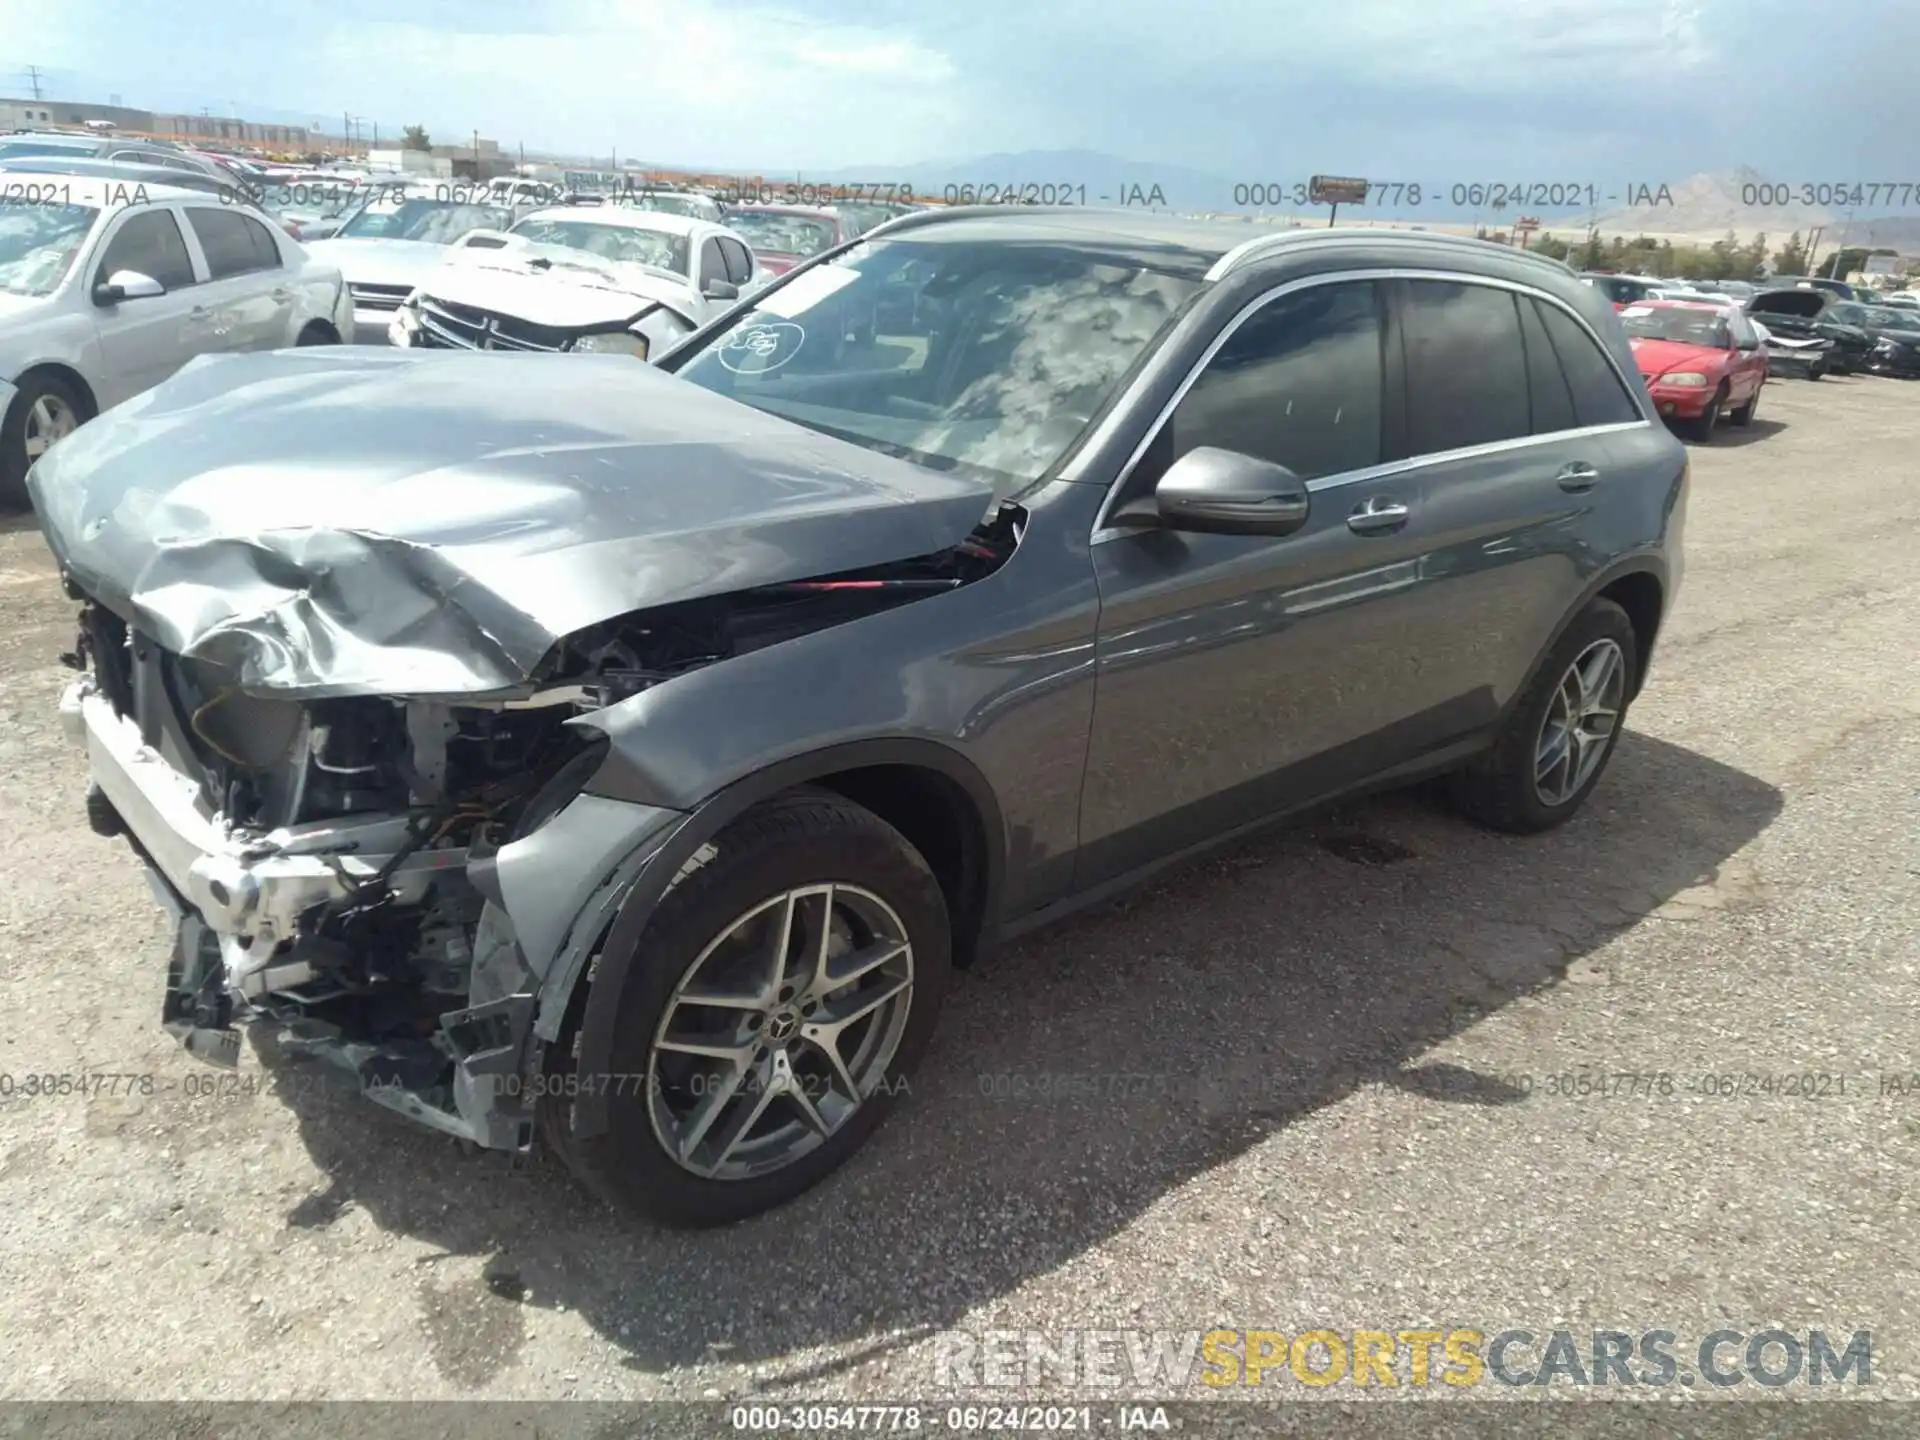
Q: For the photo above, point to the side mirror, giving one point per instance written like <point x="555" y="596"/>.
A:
<point x="721" y="290"/>
<point x="1224" y="492"/>
<point x="127" y="285"/>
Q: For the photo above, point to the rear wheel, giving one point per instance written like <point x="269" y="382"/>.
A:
<point x="1744" y="415"/>
<point x="45" y="409"/>
<point x="318" y="333"/>
<point x="1560" y="734"/>
<point x="788" y="986"/>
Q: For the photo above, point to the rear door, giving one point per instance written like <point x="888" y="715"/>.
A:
<point x="146" y="340"/>
<point x="1514" y="419"/>
<point x="247" y="284"/>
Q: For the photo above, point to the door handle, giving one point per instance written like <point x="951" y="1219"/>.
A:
<point x="200" y="312"/>
<point x="1378" y="517"/>
<point x="1577" y="478"/>
<point x="283" y="293"/>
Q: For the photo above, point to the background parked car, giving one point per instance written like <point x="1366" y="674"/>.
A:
<point x="101" y="299"/>
<point x="1895" y="333"/>
<point x="784" y="235"/>
<point x="396" y="238"/>
<point x="109" y="147"/>
<point x="1622" y="289"/>
<point x="1792" y="355"/>
<point x="1700" y="362"/>
<point x="604" y="278"/>
<point x="1807" y="313"/>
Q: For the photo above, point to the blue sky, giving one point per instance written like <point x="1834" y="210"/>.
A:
<point x="1527" y="90"/>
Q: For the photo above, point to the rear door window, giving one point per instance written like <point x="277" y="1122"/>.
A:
<point x="1599" y="397"/>
<point x="1466" y="367"/>
<point x="235" y="244"/>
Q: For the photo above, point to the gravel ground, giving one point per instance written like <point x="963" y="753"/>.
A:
<point x="1333" y="1049"/>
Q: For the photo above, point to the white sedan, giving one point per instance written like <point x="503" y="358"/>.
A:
<point x="107" y="288"/>
<point x="397" y="237"/>
<point x="581" y="278"/>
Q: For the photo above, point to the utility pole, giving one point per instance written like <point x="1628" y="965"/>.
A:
<point x="33" y="79"/>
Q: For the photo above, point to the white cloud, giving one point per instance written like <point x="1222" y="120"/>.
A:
<point x="670" y="80"/>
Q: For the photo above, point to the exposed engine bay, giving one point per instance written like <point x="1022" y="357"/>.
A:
<point x="326" y="881"/>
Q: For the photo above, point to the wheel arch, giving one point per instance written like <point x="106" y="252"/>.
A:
<point x="67" y="375"/>
<point x="1639" y="585"/>
<point x="323" y="328"/>
<point x="936" y="797"/>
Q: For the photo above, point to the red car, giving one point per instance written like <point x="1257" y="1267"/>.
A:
<point x="784" y="235"/>
<point x="1700" y="362"/>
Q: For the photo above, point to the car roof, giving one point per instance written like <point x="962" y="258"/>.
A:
<point x="1193" y="244"/>
<point x="625" y="217"/>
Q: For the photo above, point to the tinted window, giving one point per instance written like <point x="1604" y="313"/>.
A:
<point x="1598" y="396"/>
<point x="1549" y="397"/>
<point x="149" y="242"/>
<point x="739" y="261"/>
<point x="1466" y="371"/>
<point x="712" y="267"/>
<point x="1299" y="383"/>
<point x="235" y="245"/>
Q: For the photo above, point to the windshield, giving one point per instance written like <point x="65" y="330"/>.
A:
<point x="438" y="222"/>
<point x="960" y="355"/>
<point x="38" y="243"/>
<point x="769" y="230"/>
<point x="1890" y="317"/>
<point x="610" y="242"/>
<point x="694" y="207"/>
<point x="1689" y="326"/>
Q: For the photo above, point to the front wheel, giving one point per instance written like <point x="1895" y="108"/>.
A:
<point x="1702" y="427"/>
<point x="1560" y="734"/>
<point x="788" y="986"/>
<point x="45" y="410"/>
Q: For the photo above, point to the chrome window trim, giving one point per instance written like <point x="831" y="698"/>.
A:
<point x="1103" y="532"/>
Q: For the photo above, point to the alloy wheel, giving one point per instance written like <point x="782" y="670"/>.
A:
<point x="782" y="1027"/>
<point x="1580" y="722"/>
<point x="49" y="418"/>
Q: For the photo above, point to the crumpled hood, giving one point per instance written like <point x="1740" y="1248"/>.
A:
<point x="379" y="262"/>
<point x="571" y="290"/>
<point x="335" y="521"/>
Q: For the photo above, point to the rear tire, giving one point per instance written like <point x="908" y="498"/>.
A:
<point x="1744" y="415"/>
<point x="318" y="334"/>
<point x="806" y="838"/>
<point x="1503" y="789"/>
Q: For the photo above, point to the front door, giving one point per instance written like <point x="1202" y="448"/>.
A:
<point x="1241" y="675"/>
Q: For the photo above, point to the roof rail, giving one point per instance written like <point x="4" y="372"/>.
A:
<point x="1263" y="245"/>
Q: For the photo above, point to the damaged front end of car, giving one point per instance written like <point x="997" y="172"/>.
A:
<point x="357" y="763"/>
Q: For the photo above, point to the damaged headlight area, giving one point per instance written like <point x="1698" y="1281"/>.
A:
<point x="333" y="866"/>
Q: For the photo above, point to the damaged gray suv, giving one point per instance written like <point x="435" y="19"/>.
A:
<point x="621" y="757"/>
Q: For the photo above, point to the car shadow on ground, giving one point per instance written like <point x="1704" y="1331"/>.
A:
<point x="1184" y="1024"/>
<point x="1755" y="430"/>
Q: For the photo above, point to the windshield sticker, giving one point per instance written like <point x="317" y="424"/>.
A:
<point x="761" y="348"/>
<point x="803" y="292"/>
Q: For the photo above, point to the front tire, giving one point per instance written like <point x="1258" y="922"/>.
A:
<point x="1701" y="429"/>
<point x="1560" y="734"/>
<point x="788" y="987"/>
<point x="45" y="409"/>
